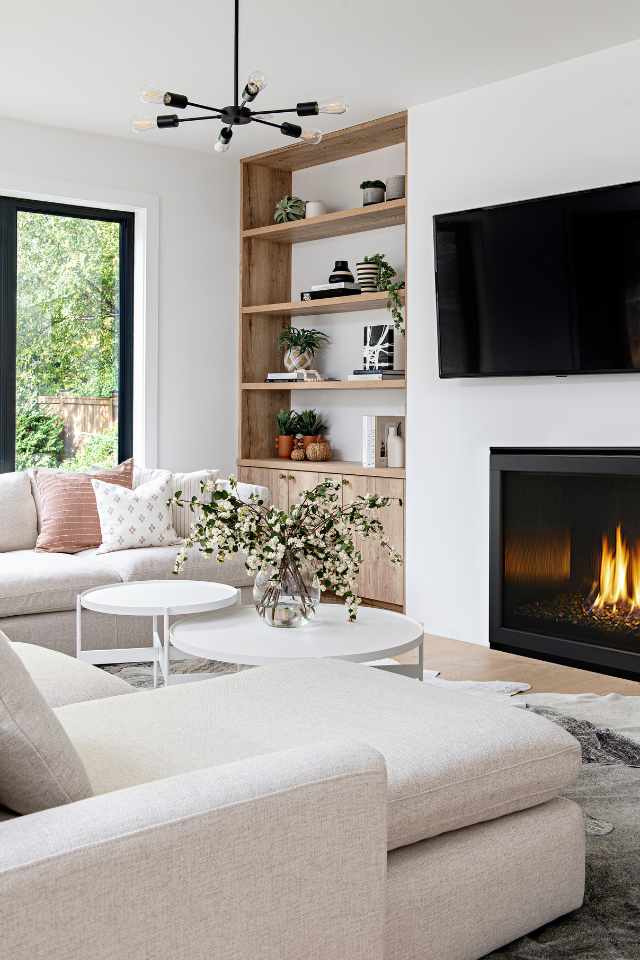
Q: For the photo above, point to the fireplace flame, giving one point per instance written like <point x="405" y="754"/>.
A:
<point x="619" y="582"/>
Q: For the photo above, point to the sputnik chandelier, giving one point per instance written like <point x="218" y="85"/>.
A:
<point x="238" y="114"/>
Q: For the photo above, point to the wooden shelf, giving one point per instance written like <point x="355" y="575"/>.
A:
<point x="302" y="308"/>
<point x="325" y="466"/>
<point x="337" y="145"/>
<point x="391" y="213"/>
<point x="330" y="385"/>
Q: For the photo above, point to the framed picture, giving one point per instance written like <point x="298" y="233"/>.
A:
<point x="378" y="347"/>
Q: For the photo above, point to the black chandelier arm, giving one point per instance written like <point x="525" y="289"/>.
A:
<point x="202" y="106"/>
<point x="267" y="123"/>
<point x="211" y="116"/>
<point x="266" y="113"/>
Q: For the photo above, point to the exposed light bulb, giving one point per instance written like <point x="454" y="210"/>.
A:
<point x="139" y="126"/>
<point x="152" y="96"/>
<point x="334" y="105"/>
<point x="257" y="79"/>
<point x="255" y="83"/>
<point x="224" y="140"/>
<point x="311" y="136"/>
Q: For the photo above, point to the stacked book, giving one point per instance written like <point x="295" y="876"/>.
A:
<point x="377" y="373"/>
<point x="324" y="291"/>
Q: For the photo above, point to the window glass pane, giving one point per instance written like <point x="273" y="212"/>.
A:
<point x="67" y="342"/>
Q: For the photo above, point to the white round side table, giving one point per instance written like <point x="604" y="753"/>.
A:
<point x="150" y="598"/>
<point x="238" y="635"/>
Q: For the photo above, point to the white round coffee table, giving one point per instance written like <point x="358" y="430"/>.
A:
<point x="238" y="635"/>
<point x="150" y="598"/>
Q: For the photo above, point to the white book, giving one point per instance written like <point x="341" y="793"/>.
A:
<point x="368" y="441"/>
<point x="342" y="285"/>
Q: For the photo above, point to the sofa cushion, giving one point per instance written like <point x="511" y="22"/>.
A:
<point x="62" y="679"/>
<point x="156" y="563"/>
<point x="68" y="514"/>
<point x="452" y="759"/>
<point x="39" y="767"/>
<point x="132" y="519"/>
<point x="33" y="582"/>
<point x="18" y="521"/>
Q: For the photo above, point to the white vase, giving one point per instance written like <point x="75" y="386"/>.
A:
<point x="297" y="359"/>
<point x="315" y="208"/>
<point x="395" y="449"/>
<point x="396" y="187"/>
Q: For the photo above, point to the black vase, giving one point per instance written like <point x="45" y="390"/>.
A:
<point x="341" y="273"/>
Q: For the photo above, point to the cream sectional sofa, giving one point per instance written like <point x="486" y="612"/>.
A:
<point x="38" y="590"/>
<point x="320" y="810"/>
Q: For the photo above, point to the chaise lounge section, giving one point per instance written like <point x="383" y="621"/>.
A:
<point x="320" y="809"/>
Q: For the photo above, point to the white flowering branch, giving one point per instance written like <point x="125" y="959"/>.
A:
<point x="317" y="534"/>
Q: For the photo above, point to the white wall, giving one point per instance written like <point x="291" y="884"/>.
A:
<point x="197" y="200"/>
<point x="568" y="127"/>
<point x="338" y="185"/>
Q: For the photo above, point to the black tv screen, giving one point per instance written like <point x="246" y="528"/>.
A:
<point x="548" y="286"/>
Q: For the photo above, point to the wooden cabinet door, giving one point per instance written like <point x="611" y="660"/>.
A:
<point x="379" y="579"/>
<point x="299" y="481"/>
<point x="275" y="480"/>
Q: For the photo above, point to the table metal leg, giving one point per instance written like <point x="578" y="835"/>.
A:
<point x="166" y="650"/>
<point x="78" y="627"/>
<point x="421" y="659"/>
<point x="156" y="651"/>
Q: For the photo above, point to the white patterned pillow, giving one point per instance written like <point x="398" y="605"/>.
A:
<point x="188" y="483"/>
<point x="135" y="518"/>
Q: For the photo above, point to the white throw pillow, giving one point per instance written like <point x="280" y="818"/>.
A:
<point x="18" y="519"/>
<point x="39" y="766"/>
<point x="188" y="483"/>
<point x="135" y="518"/>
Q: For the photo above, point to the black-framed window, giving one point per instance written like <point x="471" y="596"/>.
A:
<point x="66" y="334"/>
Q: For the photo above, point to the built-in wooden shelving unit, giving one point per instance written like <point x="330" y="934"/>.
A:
<point x="330" y="385"/>
<point x="310" y="308"/>
<point x="266" y="308"/>
<point x="358" y="220"/>
<point x="348" y="467"/>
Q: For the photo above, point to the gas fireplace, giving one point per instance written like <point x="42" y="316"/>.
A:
<point x="565" y="556"/>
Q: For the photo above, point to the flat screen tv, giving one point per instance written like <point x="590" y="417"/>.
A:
<point x="548" y="286"/>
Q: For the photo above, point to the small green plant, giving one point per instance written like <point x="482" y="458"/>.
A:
<point x="289" y="208"/>
<point x="287" y="422"/>
<point x="304" y="340"/>
<point x="310" y="423"/>
<point x="369" y="184"/>
<point x="385" y="283"/>
<point x="39" y="440"/>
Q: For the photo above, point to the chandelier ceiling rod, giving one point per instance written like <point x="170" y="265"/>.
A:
<point x="237" y="113"/>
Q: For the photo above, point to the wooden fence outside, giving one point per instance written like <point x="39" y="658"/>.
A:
<point x="82" y="416"/>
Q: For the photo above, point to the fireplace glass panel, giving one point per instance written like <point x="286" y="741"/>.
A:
<point x="571" y="557"/>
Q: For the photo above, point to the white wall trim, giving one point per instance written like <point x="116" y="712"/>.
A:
<point x="146" y="281"/>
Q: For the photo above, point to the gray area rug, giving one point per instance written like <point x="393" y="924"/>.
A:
<point x="607" y="927"/>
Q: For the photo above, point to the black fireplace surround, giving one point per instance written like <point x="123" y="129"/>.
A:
<point x="565" y="556"/>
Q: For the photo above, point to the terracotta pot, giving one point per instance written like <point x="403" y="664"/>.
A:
<point x="312" y="439"/>
<point x="284" y="445"/>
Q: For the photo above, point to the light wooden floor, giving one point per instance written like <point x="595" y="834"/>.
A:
<point x="469" y="661"/>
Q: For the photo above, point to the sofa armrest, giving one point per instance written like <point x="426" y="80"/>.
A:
<point x="281" y="856"/>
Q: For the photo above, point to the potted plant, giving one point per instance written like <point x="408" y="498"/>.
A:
<point x="294" y="555"/>
<point x="287" y="425"/>
<point x="288" y="209"/>
<point x="311" y="425"/>
<point x="376" y="271"/>
<point x="372" y="191"/>
<point x="301" y="346"/>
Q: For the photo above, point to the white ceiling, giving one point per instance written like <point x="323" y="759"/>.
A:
<point x="81" y="63"/>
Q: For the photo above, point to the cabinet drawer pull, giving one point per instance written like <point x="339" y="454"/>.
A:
<point x="291" y="476"/>
<point x="283" y="476"/>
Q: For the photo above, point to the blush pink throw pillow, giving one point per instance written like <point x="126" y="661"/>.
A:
<point x="69" y="519"/>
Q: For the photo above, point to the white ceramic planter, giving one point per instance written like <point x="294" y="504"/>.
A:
<point x="372" y="195"/>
